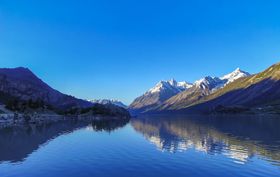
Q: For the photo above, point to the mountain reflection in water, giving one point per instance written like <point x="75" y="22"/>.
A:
<point x="237" y="137"/>
<point x="16" y="143"/>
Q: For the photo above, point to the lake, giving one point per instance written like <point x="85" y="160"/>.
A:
<point x="147" y="146"/>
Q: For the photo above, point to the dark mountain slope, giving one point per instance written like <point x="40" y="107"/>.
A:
<point x="260" y="91"/>
<point x="22" y="84"/>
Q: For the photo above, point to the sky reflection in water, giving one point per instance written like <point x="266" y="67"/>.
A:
<point x="147" y="146"/>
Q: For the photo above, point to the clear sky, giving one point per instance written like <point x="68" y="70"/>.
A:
<point x="120" y="48"/>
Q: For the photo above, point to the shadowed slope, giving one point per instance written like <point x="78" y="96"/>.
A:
<point x="260" y="90"/>
<point x="22" y="84"/>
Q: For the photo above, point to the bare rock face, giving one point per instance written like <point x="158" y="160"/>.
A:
<point x="172" y="95"/>
<point x="199" y="90"/>
<point x="158" y="94"/>
<point x="241" y="93"/>
<point x="259" y="91"/>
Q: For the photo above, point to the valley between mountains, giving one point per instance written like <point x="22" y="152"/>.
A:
<point x="24" y="97"/>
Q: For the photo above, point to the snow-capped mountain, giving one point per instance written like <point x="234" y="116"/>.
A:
<point x="210" y="83"/>
<point x="259" y="91"/>
<point x="200" y="89"/>
<point x="172" y="85"/>
<point x="109" y="101"/>
<point x="172" y="95"/>
<point x="158" y="94"/>
<point x="236" y="74"/>
<point x="215" y="83"/>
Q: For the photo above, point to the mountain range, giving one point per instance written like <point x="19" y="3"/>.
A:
<point x="231" y="93"/>
<point x="161" y="92"/>
<point x="109" y="101"/>
<point x="258" y="93"/>
<point x="166" y="95"/>
<point x="22" y="91"/>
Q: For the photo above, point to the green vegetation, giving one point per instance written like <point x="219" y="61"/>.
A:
<point x="29" y="106"/>
<point x="98" y="109"/>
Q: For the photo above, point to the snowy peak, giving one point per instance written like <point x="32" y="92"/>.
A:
<point x="159" y="86"/>
<point x="236" y="74"/>
<point x="172" y="82"/>
<point x="108" y="101"/>
<point x="209" y="83"/>
<point x="206" y="80"/>
<point x="161" y="92"/>
<point x="184" y="85"/>
<point x="170" y="85"/>
<point x="214" y="83"/>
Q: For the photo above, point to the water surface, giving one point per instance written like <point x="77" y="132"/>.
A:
<point x="147" y="146"/>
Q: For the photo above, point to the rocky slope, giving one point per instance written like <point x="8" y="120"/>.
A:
<point x="158" y="94"/>
<point x="201" y="88"/>
<point x="186" y="97"/>
<point x="236" y="74"/>
<point x="259" y="92"/>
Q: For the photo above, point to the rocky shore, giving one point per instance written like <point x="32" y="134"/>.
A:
<point x="20" y="119"/>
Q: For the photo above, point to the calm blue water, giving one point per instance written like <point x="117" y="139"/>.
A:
<point x="144" y="147"/>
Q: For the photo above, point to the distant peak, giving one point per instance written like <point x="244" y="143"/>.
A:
<point x="206" y="80"/>
<point x="108" y="101"/>
<point x="161" y="82"/>
<point x="172" y="82"/>
<point x="208" y="77"/>
<point x="236" y="74"/>
<point x="237" y="69"/>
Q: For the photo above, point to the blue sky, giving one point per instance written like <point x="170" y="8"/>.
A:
<point x="119" y="49"/>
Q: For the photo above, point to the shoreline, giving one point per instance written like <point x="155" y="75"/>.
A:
<point x="19" y="119"/>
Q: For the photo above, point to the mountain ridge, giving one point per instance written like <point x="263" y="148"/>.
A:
<point x="192" y="93"/>
<point x="257" y="93"/>
<point x="24" y="97"/>
<point x="109" y="101"/>
<point x="23" y="84"/>
<point x="162" y="91"/>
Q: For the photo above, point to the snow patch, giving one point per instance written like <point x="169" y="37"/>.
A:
<point x="108" y="101"/>
<point x="171" y="85"/>
<point x="236" y="74"/>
